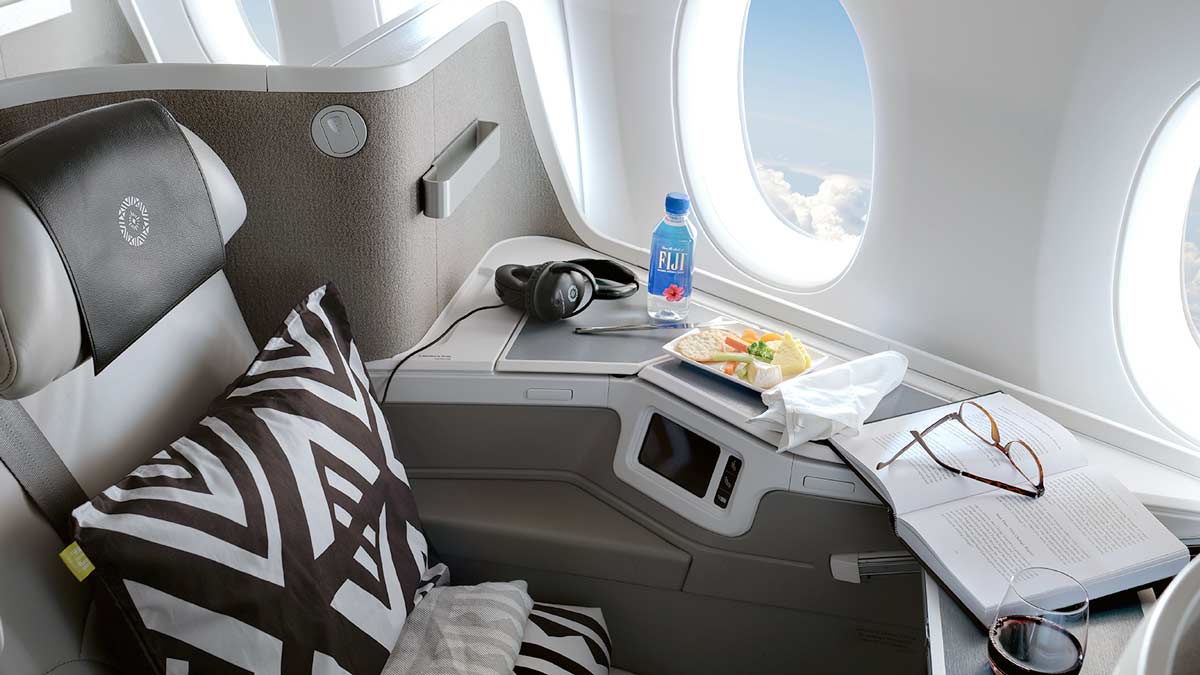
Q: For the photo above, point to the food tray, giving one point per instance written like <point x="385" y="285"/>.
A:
<point x="819" y="358"/>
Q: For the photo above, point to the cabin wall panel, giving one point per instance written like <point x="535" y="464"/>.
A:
<point x="357" y="221"/>
<point x="787" y="547"/>
<point x="516" y="198"/>
<point x="95" y="30"/>
<point x="1007" y="137"/>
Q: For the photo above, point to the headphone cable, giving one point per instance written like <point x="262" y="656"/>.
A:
<point x="427" y="345"/>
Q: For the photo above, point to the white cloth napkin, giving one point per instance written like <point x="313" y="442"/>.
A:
<point x="834" y="400"/>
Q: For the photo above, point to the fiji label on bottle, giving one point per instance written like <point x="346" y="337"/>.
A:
<point x="671" y="271"/>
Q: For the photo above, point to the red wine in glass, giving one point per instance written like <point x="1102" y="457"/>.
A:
<point x="1033" y="645"/>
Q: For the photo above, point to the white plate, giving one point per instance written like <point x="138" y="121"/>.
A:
<point x="737" y="327"/>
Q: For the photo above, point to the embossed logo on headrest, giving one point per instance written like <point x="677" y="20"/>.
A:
<point x="134" y="220"/>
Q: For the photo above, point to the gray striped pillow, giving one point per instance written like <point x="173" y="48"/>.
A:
<point x="463" y="630"/>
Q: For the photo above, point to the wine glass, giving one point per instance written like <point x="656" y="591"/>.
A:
<point x="1041" y="625"/>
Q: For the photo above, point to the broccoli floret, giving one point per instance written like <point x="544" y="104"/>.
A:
<point x="761" y="351"/>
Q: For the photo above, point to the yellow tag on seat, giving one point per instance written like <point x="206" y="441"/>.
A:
<point x="77" y="561"/>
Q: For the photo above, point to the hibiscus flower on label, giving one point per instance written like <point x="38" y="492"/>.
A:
<point x="673" y="293"/>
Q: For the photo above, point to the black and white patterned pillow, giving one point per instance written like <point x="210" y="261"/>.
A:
<point x="280" y="534"/>
<point x="564" y="640"/>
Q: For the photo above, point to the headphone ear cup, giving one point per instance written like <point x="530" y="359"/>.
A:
<point x="511" y="283"/>
<point x="540" y="308"/>
<point x="584" y="284"/>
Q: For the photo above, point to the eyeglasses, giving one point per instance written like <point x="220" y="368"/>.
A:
<point x="980" y="423"/>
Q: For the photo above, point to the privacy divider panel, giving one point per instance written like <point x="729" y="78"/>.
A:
<point x="762" y="602"/>
<point x="357" y="221"/>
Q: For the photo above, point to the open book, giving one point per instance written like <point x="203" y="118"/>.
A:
<point x="973" y="537"/>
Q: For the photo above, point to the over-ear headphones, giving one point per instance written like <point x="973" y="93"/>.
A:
<point x="559" y="289"/>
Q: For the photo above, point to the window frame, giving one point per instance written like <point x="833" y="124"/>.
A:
<point x="696" y="92"/>
<point x="1183" y="281"/>
<point x="1159" y="349"/>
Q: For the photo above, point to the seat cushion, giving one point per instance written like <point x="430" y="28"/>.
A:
<point x="564" y="640"/>
<point x="279" y="534"/>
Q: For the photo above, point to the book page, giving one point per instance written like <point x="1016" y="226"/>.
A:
<point x="915" y="481"/>
<point x="1087" y="525"/>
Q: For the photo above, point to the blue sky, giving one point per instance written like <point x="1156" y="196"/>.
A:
<point x="807" y="97"/>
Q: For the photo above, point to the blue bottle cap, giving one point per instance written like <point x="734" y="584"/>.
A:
<point x="678" y="203"/>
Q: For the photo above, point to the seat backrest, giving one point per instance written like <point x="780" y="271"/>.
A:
<point x="101" y="425"/>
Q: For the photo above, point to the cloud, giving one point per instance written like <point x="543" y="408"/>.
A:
<point x="838" y="210"/>
<point x="1191" y="280"/>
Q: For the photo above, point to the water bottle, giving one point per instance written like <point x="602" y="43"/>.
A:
<point x="671" y="247"/>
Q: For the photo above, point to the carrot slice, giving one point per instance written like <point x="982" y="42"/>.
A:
<point x="730" y="367"/>
<point x="749" y="335"/>
<point x="736" y="343"/>
<point x="768" y="337"/>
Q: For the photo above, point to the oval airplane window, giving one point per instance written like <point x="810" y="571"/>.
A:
<point x="1158" y="287"/>
<point x="1190" y="263"/>
<point x="776" y="130"/>
<point x="260" y="14"/>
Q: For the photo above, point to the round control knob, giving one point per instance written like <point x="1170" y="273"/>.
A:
<point x="339" y="131"/>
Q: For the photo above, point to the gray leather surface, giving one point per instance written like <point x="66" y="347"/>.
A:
<point x="228" y="202"/>
<point x="38" y="312"/>
<point x="1110" y="626"/>
<point x="545" y="525"/>
<point x="37" y="305"/>
<point x="556" y="341"/>
<point x="904" y="400"/>
<point x="746" y="402"/>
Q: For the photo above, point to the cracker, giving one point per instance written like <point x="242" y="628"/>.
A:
<point x="701" y="346"/>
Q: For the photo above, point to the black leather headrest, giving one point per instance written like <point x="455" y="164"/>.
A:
<point x="121" y="194"/>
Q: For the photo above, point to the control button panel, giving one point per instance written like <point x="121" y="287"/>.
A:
<point x="733" y="465"/>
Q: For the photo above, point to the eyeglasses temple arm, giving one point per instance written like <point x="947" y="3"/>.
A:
<point x="921" y="441"/>
<point x="928" y="429"/>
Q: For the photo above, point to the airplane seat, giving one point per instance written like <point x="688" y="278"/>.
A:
<point x="101" y="426"/>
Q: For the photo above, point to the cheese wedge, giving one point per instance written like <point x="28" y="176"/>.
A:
<point x="791" y="357"/>
<point x="763" y="375"/>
